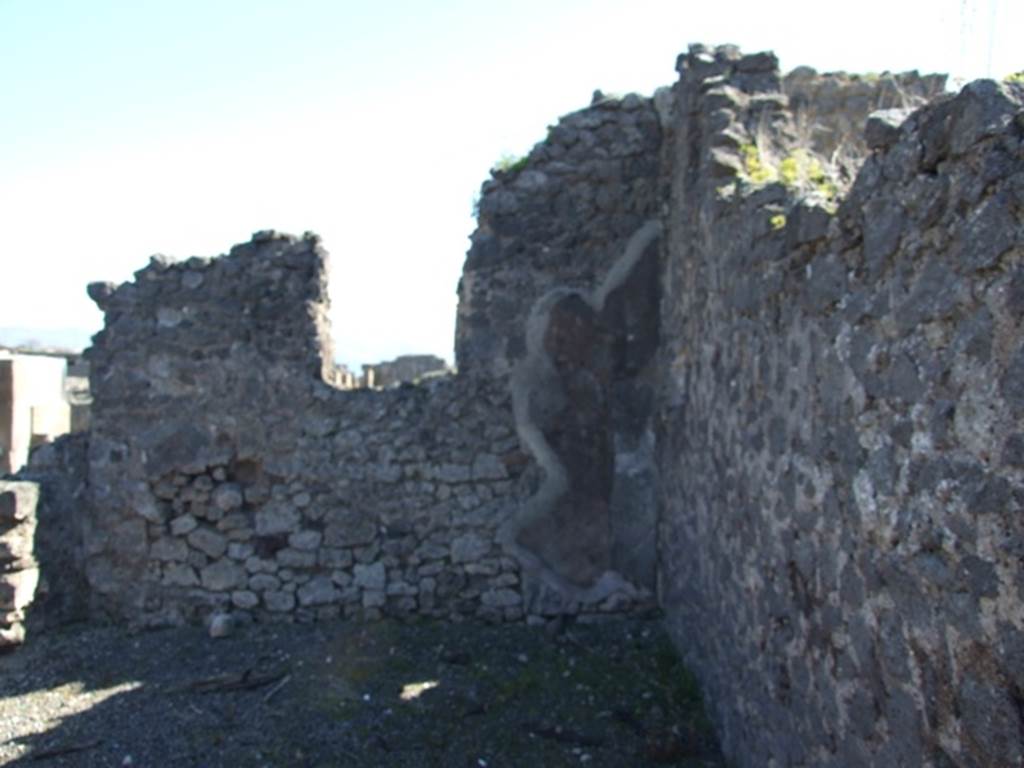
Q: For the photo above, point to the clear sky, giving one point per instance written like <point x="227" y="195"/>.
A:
<point x="135" y="127"/>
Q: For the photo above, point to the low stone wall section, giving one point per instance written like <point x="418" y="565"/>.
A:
<point x="390" y="507"/>
<point x="226" y="475"/>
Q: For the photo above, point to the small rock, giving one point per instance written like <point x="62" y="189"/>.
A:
<point x="221" y="625"/>
<point x="488" y="467"/>
<point x="262" y="582"/>
<point x="468" y="548"/>
<point x="275" y="518"/>
<point x="168" y="317"/>
<point x="278" y="601"/>
<point x="222" y="576"/>
<point x="305" y="540"/>
<point x="101" y="292"/>
<point x="371" y="577"/>
<point x="501" y="598"/>
<point x="293" y="558"/>
<point x="318" y="591"/>
<point x="210" y="543"/>
<point x="240" y="550"/>
<point x="228" y="497"/>
<point x="245" y="599"/>
<point x="180" y="575"/>
<point x="183" y="525"/>
<point x="882" y="129"/>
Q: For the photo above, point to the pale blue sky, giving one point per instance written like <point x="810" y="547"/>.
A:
<point x="135" y="127"/>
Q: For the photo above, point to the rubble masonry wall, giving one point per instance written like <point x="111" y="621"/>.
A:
<point x="790" y="409"/>
<point x="841" y="432"/>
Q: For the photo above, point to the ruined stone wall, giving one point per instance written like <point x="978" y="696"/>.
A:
<point x="556" y="305"/>
<point x="693" y="356"/>
<point x="404" y="369"/>
<point x="832" y="414"/>
<point x="561" y="217"/>
<point x="829" y="109"/>
<point x="225" y="474"/>
<point x="19" y="569"/>
<point x="59" y="472"/>
<point x="232" y="477"/>
<point x="840" y="432"/>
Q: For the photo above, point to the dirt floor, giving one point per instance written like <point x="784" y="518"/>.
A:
<point x="343" y="694"/>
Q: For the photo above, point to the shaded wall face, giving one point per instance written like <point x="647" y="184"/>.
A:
<point x="574" y="538"/>
<point x="19" y="570"/>
<point x="839" y="439"/>
<point x="558" y="300"/>
<point x="593" y="408"/>
<point x="59" y="470"/>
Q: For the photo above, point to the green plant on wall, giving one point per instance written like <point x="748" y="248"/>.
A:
<point x="1015" y="77"/>
<point x="510" y="163"/>
<point x="756" y="169"/>
<point x="789" y="171"/>
<point x="799" y="171"/>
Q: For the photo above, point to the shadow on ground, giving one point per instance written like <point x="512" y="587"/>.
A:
<point x="342" y="694"/>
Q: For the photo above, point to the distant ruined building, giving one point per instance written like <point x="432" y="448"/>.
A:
<point x="42" y="395"/>
<point x="404" y="369"/>
<point x="750" y="351"/>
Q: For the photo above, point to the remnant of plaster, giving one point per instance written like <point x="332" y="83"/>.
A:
<point x="534" y="388"/>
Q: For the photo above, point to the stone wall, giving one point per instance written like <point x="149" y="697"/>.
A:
<point x="59" y="472"/>
<point x="825" y="399"/>
<point x="19" y="571"/>
<point x="829" y="109"/>
<point x="697" y="353"/>
<point x="555" y="304"/>
<point x="840" y="432"/>
<point x="559" y="218"/>
<point x="226" y="475"/>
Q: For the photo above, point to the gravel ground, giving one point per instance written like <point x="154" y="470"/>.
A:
<point x="342" y="694"/>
